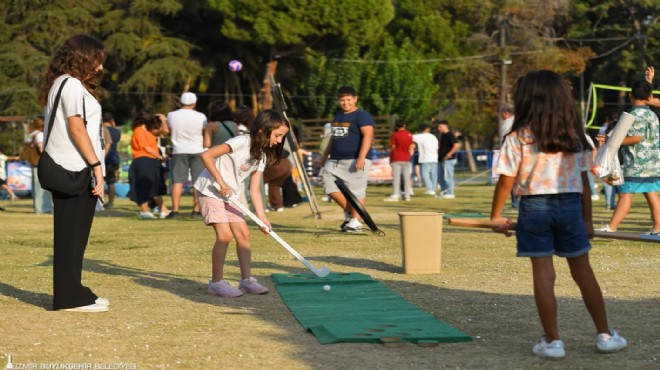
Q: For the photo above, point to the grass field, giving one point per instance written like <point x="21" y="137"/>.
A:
<point x="155" y="274"/>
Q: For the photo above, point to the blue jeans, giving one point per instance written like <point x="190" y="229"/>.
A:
<point x="610" y="195"/>
<point x="401" y="169"/>
<point x="429" y="175"/>
<point x="446" y="175"/>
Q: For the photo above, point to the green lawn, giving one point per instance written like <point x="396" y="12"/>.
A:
<point x="155" y="274"/>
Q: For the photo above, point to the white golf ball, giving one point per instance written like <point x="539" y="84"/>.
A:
<point x="326" y="288"/>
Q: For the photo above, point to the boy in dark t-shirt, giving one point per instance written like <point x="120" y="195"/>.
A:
<point x="347" y="157"/>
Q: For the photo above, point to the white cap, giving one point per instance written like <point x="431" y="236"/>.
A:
<point x="188" y="98"/>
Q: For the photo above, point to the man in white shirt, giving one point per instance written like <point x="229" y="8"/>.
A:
<point x="427" y="146"/>
<point x="186" y="126"/>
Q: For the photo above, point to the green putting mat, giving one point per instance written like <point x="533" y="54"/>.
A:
<point x="358" y="309"/>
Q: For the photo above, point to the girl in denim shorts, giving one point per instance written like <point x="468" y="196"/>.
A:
<point x="545" y="159"/>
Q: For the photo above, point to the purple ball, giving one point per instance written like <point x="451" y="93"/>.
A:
<point x="235" y="65"/>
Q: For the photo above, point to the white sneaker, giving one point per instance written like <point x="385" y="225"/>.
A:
<point x="251" y="285"/>
<point x="606" y="229"/>
<point x="447" y="196"/>
<point x="653" y="232"/>
<point x="353" y="226"/>
<point x="164" y="215"/>
<point x="429" y="193"/>
<point x="96" y="307"/>
<point x="148" y="216"/>
<point x="223" y="289"/>
<point x="392" y="198"/>
<point x="552" y="350"/>
<point x="607" y="343"/>
<point x="595" y="197"/>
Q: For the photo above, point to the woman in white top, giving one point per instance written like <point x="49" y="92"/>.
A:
<point x="74" y="143"/>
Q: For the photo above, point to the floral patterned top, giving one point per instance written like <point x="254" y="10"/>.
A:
<point x="643" y="159"/>
<point x="541" y="173"/>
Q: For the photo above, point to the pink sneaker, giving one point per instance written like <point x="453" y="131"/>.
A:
<point x="223" y="289"/>
<point x="251" y="285"/>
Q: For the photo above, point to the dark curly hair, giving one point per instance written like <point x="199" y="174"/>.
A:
<point x="79" y="57"/>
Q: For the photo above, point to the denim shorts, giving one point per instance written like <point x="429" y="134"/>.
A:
<point x="551" y="224"/>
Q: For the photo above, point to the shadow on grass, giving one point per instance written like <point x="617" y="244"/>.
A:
<point x="42" y="300"/>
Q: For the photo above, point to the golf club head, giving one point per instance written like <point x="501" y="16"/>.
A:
<point x="322" y="272"/>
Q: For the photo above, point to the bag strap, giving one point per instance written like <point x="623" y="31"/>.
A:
<point x="52" y="114"/>
<point x="231" y="132"/>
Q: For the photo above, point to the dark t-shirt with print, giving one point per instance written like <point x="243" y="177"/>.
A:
<point x="346" y="134"/>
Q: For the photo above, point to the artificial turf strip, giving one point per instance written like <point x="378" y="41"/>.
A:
<point x="358" y="309"/>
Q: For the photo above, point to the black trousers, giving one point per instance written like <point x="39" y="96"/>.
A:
<point x="72" y="222"/>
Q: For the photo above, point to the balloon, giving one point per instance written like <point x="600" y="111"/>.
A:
<point x="235" y="65"/>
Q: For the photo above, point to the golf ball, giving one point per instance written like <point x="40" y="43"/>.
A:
<point x="326" y="288"/>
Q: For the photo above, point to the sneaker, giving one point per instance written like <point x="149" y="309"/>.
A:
<point x="608" y="343"/>
<point x="250" y="285"/>
<point x="223" y="289"/>
<point x="595" y="197"/>
<point x="429" y="193"/>
<point x="96" y="307"/>
<point x="148" y="216"/>
<point x="447" y="196"/>
<point x="353" y="226"/>
<point x="552" y="350"/>
<point x="155" y="210"/>
<point x="102" y="301"/>
<point x="281" y="209"/>
<point x="196" y="215"/>
<point x="606" y="229"/>
<point x="392" y="198"/>
<point x="173" y="215"/>
<point x="164" y="214"/>
<point x="652" y="232"/>
<point x="406" y="199"/>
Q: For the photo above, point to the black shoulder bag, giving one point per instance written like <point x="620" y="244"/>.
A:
<point x="54" y="177"/>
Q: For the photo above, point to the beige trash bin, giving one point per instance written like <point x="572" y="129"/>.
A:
<point x="421" y="241"/>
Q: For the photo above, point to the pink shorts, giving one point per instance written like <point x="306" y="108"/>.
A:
<point x="216" y="211"/>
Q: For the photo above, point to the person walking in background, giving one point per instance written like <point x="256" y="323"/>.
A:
<point x="74" y="145"/>
<point x="244" y="117"/>
<point x="608" y="190"/>
<point x="186" y="127"/>
<point x="227" y="166"/>
<point x="507" y="117"/>
<point x="401" y="146"/>
<point x="427" y="147"/>
<point x="146" y="174"/>
<point x="545" y="158"/>
<point x="221" y="126"/>
<point x="41" y="198"/>
<point x="347" y="157"/>
<point x="641" y="160"/>
<point x="112" y="159"/>
<point x="447" y="146"/>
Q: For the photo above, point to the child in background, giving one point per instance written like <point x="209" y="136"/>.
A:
<point x="545" y="159"/>
<point x="227" y="166"/>
<point x="641" y="160"/>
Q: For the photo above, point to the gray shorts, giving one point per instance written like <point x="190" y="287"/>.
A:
<point x="344" y="169"/>
<point x="183" y="164"/>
